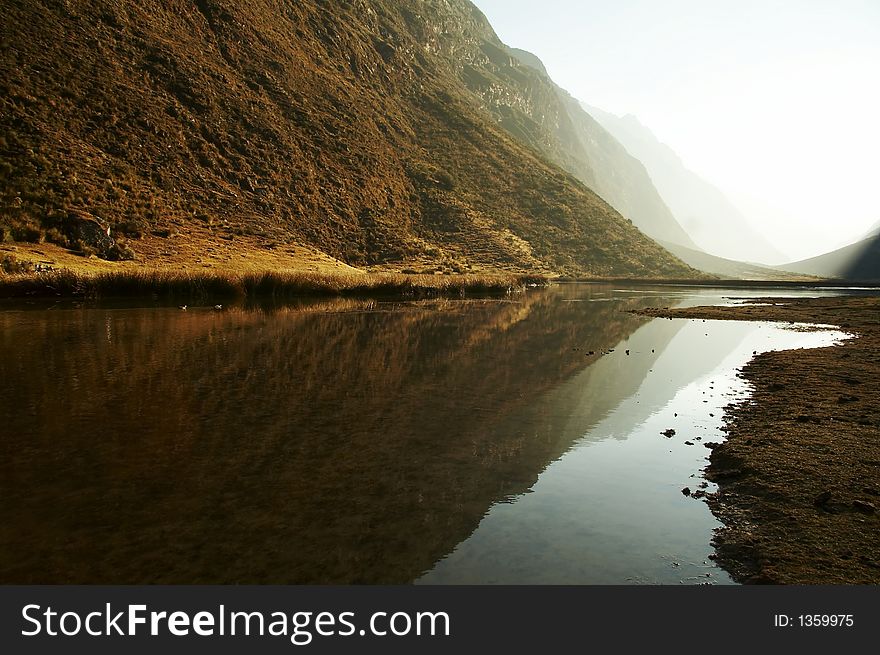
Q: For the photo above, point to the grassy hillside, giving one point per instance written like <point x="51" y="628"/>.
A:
<point x="272" y="128"/>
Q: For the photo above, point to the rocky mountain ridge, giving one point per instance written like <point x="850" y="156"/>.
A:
<point x="340" y="126"/>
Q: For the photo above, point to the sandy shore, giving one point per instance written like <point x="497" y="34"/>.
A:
<point x="799" y="474"/>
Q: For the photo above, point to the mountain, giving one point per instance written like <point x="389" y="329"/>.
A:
<point x="703" y="210"/>
<point x="529" y="59"/>
<point x="728" y="268"/>
<point x="344" y="127"/>
<point x="859" y="261"/>
<point x="516" y="91"/>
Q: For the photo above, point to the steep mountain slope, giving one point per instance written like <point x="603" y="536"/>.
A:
<point x="515" y="89"/>
<point x="529" y="59"/>
<point x="859" y="262"/>
<point x="703" y="210"/>
<point x="343" y="126"/>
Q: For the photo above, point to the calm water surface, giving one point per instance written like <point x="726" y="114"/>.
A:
<point x="472" y="441"/>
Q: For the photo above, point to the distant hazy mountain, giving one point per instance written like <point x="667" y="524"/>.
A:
<point x="859" y="261"/>
<point x="728" y="268"/>
<point x="702" y="209"/>
<point x="515" y="89"/>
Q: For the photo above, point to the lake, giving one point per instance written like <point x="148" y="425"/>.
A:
<point x="514" y="440"/>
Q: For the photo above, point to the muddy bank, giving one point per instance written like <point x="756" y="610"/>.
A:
<point x="799" y="474"/>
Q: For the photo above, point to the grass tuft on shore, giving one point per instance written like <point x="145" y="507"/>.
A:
<point x="204" y="286"/>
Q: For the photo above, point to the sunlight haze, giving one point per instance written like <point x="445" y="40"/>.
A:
<point x="776" y="103"/>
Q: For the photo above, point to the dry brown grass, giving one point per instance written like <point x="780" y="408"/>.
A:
<point x="204" y="285"/>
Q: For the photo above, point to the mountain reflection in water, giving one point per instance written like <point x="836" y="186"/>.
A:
<point x="333" y="442"/>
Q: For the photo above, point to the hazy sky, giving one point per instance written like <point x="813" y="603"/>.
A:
<point x="775" y="102"/>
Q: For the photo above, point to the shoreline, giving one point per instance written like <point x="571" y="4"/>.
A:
<point x="205" y="286"/>
<point x="799" y="473"/>
<point x="198" y="269"/>
<point x="718" y="283"/>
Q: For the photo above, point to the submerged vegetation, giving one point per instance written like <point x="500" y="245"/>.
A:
<point x="203" y="285"/>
